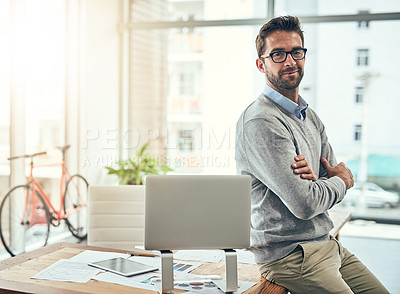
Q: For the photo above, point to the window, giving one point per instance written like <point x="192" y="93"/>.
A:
<point x="186" y="83"/>
<point x="363" y="25"/>
<point x="184" y="144"/>
<point x="362" y="57"/>
<point x="357" y="132"/>
<point x="5" y="56"/>
<point x="186" y="140"/>
<point x="359" y="94"/>
<point x="209" y="75"/>
<point x="33" y="79"/>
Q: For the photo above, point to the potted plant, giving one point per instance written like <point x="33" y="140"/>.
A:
<point x="132" y="171"/>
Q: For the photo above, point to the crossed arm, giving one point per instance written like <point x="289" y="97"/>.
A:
<point x="301" y="167"/>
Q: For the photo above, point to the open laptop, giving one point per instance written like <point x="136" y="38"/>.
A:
<point x="197" y="212"/>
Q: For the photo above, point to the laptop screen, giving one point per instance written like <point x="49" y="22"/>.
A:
<point x="197" y="212"/>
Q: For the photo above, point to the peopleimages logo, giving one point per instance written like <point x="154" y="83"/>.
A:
<point x="175" y="161"/>
<point x="182" y="138"/>
<point x="187" y="149"/>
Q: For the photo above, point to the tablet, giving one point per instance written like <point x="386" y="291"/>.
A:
<point x="123" y="266"/>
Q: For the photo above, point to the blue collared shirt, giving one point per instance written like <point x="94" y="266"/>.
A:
<point x="299" y="110"/>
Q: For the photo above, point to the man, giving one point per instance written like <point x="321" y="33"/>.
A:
<point x="281" y="143"/>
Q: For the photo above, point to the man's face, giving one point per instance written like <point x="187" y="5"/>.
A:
<point x="288" y="74"/>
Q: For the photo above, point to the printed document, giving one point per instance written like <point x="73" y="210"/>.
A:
<point x="67" y="271"/>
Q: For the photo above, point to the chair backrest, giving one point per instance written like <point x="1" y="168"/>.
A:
<point x="116" y="216"/>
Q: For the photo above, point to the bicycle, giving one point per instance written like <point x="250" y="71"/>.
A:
<point x="26" y="211"/>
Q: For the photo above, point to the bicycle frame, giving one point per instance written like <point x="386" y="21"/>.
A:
<point x="59" y="214"/>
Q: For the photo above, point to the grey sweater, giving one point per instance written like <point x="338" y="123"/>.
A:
<point x="286" y="210"/>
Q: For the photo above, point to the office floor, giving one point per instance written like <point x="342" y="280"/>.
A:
<point x="381" y="256"/>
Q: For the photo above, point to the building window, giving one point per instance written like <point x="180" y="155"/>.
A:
<point x="186" y="83"/>
<point x="359" y="94"/>
<point x="363" y="25"/>
<point x="362" y="57"/>
<point x="357" y="132"/>
<point x="186" y="140"/>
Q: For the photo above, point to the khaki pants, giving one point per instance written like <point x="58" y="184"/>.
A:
<point x="322" y="267"/>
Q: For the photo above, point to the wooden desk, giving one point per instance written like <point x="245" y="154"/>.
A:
<point x="15" y="272"/>
<point x="339" y="218"/>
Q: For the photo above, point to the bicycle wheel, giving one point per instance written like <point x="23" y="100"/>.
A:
<point x="24" y="220"/>
<point x="75" y="205"/>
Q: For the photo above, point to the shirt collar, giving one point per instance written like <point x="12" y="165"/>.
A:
<point x="299" y="110"/>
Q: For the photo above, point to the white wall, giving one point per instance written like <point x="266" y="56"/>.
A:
<point x="99" y="93"/>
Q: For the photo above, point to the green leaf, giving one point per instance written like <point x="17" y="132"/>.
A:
<point x="133" y="170"/>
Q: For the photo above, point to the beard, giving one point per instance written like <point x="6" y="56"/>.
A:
<point x="289" y="83"/>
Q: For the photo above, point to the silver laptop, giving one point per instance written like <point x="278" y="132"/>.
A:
<point x="197" y="212"/>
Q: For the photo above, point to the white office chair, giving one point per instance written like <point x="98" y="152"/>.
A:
<point x="116" y="216"/>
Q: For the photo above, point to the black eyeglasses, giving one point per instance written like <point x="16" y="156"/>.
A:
<point x="280" y="56"/>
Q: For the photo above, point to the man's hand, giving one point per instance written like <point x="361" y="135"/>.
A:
<point x="302" y="168"/>
<point x="341" y="171"/>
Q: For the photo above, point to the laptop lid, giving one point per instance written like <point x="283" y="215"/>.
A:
<point x="197" y="212"/>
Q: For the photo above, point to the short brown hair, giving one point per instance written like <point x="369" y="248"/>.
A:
<point x="286" y="23"/>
